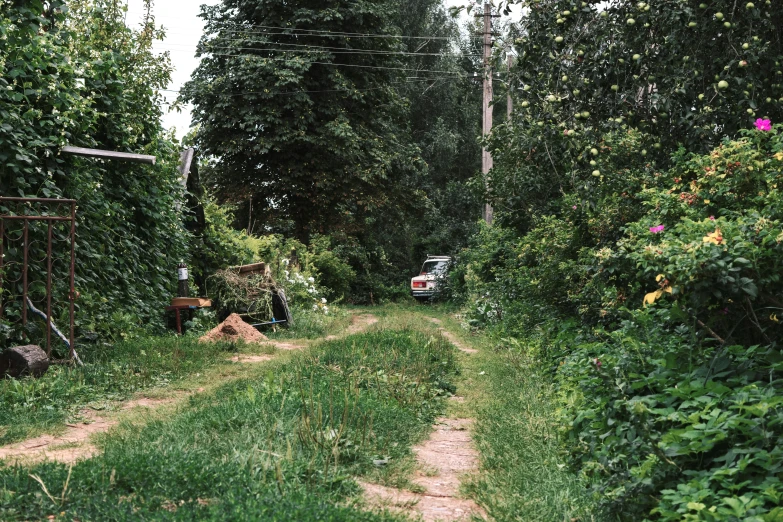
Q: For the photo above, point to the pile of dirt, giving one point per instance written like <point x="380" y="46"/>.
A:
<point x="233" y="329"/>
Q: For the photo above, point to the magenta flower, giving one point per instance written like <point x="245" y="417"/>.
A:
<point x="574" y="207"/>
<point x="656" y="230"/>
<point x="712" y="218"/>
<point x="597" y="363"/>
<point x="763" y="125"/>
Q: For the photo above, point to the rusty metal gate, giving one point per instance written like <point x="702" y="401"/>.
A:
<point x="37" y="270"/>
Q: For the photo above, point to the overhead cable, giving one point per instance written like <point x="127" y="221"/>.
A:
<point x="288" y="93"/>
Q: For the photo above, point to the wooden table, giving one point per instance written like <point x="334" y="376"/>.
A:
<point x="177" y="308"/>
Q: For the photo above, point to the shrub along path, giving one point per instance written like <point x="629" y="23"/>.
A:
<point x="76" y="442"/>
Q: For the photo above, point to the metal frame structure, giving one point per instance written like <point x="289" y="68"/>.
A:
<point x="29" y="210"/>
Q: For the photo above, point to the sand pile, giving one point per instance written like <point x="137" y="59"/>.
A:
<point x="233" y="329"/>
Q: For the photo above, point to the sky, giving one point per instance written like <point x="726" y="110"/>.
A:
<point x="183" y="31"/>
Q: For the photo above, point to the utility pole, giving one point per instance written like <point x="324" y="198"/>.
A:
<point x="486" y="156"/>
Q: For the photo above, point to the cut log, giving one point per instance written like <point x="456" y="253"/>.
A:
<point x="23" y="360"/>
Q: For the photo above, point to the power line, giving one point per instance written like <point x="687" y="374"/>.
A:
<point x="314" y="46"/>
<point x="315" y="49"/>
<point x="292" y="31"/>
<point x="286" y="93"/>
<point x="246" y="55"/>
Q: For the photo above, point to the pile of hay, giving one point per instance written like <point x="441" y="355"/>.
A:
<point x="249" y="294"/>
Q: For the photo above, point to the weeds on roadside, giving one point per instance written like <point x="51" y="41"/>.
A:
<point x="524" y="472"/>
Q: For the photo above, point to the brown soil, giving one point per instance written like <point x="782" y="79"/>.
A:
<point x="359" y="323"/>
<point x="76" y="437"/>
<point x="45" y="447"/>
<point x="146" y="402"/>
<point x="453" y="339"/>
<point x="446" y="457"/>
<point x="282" y="345"/>
<point x="234" y="329"/>
<point x="250" y="358"/>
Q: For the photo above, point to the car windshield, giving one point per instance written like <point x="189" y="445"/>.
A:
<point x="434" y="267"/>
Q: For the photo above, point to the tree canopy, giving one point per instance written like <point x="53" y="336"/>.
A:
<point x="300" y="111"/>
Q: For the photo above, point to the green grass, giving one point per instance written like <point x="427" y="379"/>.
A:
<point x="312" y="325"/>
<point x="30" y="406"/>
<point x="281" y="446"/>
<point x="523" y="475"/>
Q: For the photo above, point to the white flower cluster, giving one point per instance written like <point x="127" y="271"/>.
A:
<point x="297" y="284"/>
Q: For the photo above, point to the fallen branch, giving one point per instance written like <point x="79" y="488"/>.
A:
<point x="56" y="330"/>
<point x="709" y="330"/>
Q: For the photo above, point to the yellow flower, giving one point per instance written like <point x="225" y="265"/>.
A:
<point x="715" y="238"/>
<point x="778" y="156"/>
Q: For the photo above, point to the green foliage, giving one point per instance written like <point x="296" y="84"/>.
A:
<point x="670" y="387"/>
<point x="334" y="274"/>
<point x="77" y="75"/>
<point x="329" y="141"/>
<point x="325" y="134"/>
<point x="674" y="428"/>
<point x="654" y="66"/>
<point x="283" y="445"/>
<point x="220" y="245"/>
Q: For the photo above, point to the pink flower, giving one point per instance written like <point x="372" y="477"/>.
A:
<point x="574" y="207"/>
<point x="763" y="125"/>
<point x="712" y="218"/>
<point x="656" y="230"/>
<point x="597" y="363"/>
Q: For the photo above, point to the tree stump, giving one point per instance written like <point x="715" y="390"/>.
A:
<point x="23" y="360"/>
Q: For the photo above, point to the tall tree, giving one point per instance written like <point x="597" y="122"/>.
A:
<point x="297" y="104"/>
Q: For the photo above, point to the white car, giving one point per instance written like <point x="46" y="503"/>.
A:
<point x="433" y="272"/>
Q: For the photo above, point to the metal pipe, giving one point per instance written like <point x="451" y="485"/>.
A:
<point x="2" y="262"/>
<point x="49" y="291"/>
<point x="72" y="293"/>
<point x="109" y="155"/>
<point x="25" y="248"/>
<point x="39" y="200"/>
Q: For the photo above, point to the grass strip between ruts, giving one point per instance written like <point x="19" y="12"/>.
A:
<point x="283" y="446"/>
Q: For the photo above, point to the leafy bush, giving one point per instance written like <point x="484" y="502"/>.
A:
<point x="671" y="382"/>
<point x="334" y="274"/>
<point x="76" y="75"/>
<point x="668" y="425"/>
<point x="220" y="245"/>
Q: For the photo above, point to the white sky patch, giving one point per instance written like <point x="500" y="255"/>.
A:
<point x="183" y="31"/>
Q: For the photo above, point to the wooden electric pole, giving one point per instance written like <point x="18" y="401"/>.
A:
<point x="486" y="156"/>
